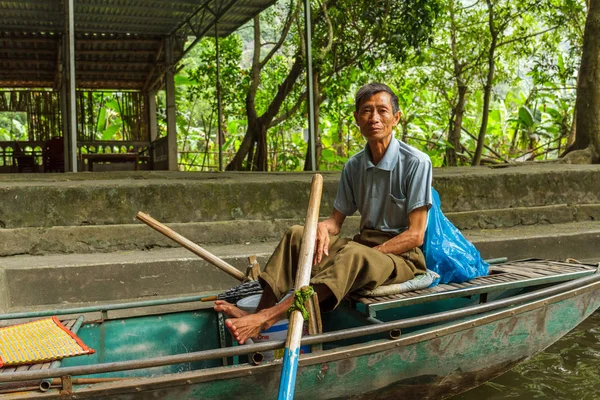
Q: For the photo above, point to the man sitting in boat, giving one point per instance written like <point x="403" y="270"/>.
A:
<point x="389" y="183"/>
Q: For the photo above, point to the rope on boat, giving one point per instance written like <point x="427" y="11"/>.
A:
<point x="301" y="296"/>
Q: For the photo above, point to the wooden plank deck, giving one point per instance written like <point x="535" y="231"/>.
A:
<point x="510" y="275"/>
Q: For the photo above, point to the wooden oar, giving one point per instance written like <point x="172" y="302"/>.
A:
<point x="191" y="246"/>
<point x="294" y="335"/>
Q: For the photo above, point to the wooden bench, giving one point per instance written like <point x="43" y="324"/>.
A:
<point x="113" y="158"/>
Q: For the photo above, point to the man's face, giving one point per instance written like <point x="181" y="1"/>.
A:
<point x="375" y="117"/>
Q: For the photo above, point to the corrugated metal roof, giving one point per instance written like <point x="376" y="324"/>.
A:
<point x="141" y="17"/>
<point x="119" y="43"/>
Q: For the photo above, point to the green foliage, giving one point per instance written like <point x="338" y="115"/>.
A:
<point x="106" y="115"/>
<point x="13" y="126"/>
<point x="424" y="50"/>
<point x="197" y="101"/>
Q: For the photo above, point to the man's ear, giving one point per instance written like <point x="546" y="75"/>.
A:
<point x="397" y="117"/>
<point x="355" y="117"/>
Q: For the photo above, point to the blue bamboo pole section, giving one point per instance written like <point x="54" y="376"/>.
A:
<point x="292" y="344"/>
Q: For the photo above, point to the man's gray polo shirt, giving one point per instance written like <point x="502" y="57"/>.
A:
<point x="385" y="193"/>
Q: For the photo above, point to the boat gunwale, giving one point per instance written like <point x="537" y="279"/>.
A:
<point x="536" y="299"/>
<point x="102" y="307"/>
<point x="376" y="306"/>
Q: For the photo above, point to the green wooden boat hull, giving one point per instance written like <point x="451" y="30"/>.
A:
<point x="431" y="362"/>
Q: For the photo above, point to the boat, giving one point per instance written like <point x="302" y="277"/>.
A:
<point x="427" y="344"/>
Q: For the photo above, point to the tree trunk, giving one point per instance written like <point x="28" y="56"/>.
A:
<point x="339" y="146"/>
<point x="257" y="126"/>
<point x="404" y="126"/>
<point x="246" y="147"/>
<point x="307" y="159"/>
<point x="573" y="131"/>
<point x="261" y="158"/>
<point x="456" y="126"/>
<point x="488" y="87"/>
<point x="588" y="88"/>
<point x="254" y="145"/>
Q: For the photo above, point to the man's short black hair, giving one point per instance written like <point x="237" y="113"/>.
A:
<point x="371" y="89"/>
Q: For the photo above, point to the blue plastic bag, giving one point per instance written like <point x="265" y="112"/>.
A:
<point x="446" y="250"/>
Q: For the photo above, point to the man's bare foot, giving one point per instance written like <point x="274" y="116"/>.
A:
<point x="248" y="326"/>
<point x="229" y="309"/>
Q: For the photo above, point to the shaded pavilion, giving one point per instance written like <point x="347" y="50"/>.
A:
<point x="55" y="53"/>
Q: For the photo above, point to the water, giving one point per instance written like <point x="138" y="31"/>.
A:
<point x="569" y="370"/>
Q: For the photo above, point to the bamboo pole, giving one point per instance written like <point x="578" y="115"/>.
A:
<point x="191" y="246"/>
<point x="292" y="344"/>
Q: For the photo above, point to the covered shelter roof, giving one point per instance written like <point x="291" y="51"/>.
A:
<point x="119" y="44"/>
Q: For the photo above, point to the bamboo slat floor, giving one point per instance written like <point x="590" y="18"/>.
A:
<point x="510" y="275"/>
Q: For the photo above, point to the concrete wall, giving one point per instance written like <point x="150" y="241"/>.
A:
<point x="94" y="250"/>
<point x="95" y="212"/>
<point x="115" y="198"/>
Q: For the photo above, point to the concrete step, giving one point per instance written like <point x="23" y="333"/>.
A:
<point x="578" y="240"/>
<point x="87" y="199"/>
<point x="29" y="281"/>
<point x="34" y="281"/>
<point x="109" y="238"/>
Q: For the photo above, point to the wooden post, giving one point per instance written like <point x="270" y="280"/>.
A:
<point x="72" y="154"/>
<point x="171" y="107"/>
<point x="219" y="102"/>
<point x="151" y="112"/>
<point x="64" y="115"/>
<point x="292" y="344"/>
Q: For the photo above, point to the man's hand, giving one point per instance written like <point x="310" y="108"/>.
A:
<point x="321" y="243"/>
<point x="331" y="225"/>
<point x="381" y="248"/>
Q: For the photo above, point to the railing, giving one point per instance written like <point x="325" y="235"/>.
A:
<point x="114" y="146"/>
<point x="10" y="151"/>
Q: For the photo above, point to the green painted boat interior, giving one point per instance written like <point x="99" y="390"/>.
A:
<point x="143" y="337"/>
<point x="171" y="333"/>
<point x="149" y="336"/>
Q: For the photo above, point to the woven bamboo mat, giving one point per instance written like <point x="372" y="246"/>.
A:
<point x="39" y="341"/>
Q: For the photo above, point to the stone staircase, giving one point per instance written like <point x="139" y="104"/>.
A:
<point x="73" y="238"/>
